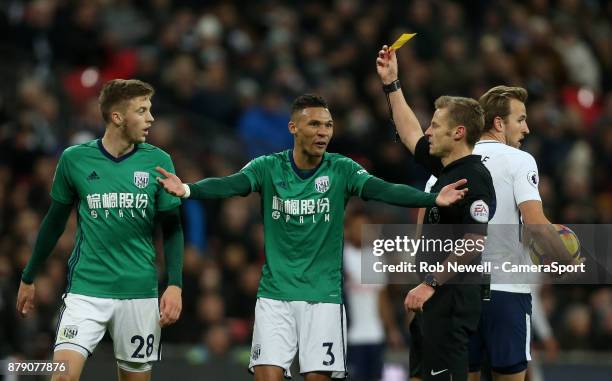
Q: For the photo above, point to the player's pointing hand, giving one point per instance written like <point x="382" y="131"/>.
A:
<point x="172" y="184"/>
<point x="450" y="194"/>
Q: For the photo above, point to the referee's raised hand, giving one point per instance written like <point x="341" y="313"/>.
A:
<point x="450" y="194"/>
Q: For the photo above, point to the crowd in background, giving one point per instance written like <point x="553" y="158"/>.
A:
<point x="225" y="73"/>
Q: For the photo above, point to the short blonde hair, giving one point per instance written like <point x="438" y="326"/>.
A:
<point x="496" y="102"/>
<point x="466" y="112"/>
<point x="117" y="91"/>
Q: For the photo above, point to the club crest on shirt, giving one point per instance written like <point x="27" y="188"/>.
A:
<point x="141" y="179"/>
<point x="69" y="332"/>
<point x="322" y="184"/>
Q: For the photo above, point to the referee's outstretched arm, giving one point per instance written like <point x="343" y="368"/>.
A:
<point x="406" y="122"/>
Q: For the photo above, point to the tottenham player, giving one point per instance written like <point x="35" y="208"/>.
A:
<point x="504" y="331"/>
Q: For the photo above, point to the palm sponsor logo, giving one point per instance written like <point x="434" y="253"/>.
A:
<point x="123" y="203"/>
<point x="313" y="210"/>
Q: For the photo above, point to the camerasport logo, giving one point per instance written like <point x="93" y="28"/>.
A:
<point x="479" y="210"/>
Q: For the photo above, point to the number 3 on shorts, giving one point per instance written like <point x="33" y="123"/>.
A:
<point x="332" y="358"/>
<point x="140" y="342"/>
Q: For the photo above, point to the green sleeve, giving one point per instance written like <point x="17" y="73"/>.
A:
<point x="356" y="177"/>
<point x="397" y="194"/>
<point x="172" y="231"/>
<point x="62" y="189"/>
<point x="166" y="201"/>
<point x="237" y="184"/>
<point x="255" y="171"/>
<point x="51" y="229"/>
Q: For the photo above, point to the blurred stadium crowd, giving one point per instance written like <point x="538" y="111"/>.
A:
<point x="225" y="73"/>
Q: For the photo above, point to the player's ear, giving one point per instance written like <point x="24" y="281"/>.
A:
<point x="292" y="127"/>
<point x="498" y="124"/>
<point x="459" y="132"/>
<point x="117" y="118"/>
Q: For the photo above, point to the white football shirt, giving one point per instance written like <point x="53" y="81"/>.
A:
<point x="515" y="179"/>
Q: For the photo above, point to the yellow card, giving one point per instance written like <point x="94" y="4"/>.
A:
<point x="402" y="40"/>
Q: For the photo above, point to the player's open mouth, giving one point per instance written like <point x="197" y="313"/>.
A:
<point x="321" y="144"/>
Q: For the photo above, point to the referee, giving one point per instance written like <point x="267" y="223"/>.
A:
<point x="450" y="302"/>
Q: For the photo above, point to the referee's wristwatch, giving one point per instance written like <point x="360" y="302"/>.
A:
<point x="431" y="281"/>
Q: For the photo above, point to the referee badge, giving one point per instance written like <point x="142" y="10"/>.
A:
<point x="141" y="179"/>
<point x="479" y="210"/>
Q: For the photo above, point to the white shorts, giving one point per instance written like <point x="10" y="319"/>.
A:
<point x="132" y="323"/>
<point x="318" y="330"/>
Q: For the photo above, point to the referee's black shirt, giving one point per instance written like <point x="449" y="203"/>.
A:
<point x="469" y="215"/>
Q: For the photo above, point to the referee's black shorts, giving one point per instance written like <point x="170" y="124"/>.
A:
<point x="416" y="347"/>
<point x="449" y="318"/>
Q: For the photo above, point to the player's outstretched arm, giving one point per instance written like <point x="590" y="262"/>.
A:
<point x="406" y="122"/>
<point x="237" y="184"/>
<point x="51" y="229"/>
<point x="404" y="195"/>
